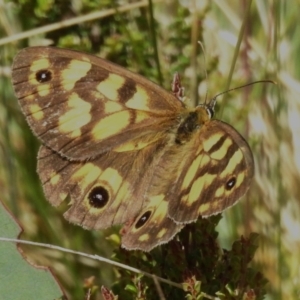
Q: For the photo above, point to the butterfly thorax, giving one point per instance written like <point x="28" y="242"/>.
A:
<point x="191" y="121"/>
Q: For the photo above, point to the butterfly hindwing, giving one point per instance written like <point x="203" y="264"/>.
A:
<point x="215" y="175"/>
<point x="152" y="227"/>
<point x="107" y="190"/>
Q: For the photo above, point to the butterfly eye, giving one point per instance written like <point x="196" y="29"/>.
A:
<point x="230" y="183"/>
<point x="43" y="76"/>
<point x="98" y="197"/>
<point x="143" y="219"/>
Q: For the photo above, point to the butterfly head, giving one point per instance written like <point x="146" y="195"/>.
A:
<point x="208" y="108"/>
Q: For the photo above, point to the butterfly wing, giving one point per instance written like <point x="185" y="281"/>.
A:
<point x="81" y="105"/>
<point x="104" y="191"/>
<point x="152" y="227"/>
<point x="215" y="174"/>
<point x="201" y="177"/>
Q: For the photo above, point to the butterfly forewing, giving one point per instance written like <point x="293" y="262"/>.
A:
<point x="80" y="105"/>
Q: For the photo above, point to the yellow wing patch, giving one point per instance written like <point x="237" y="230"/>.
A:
<point x="86" y="174"/>
<point x="198" y="186"/>
<point x="211" y="141"/>
<point x="214" y="205"/>
<point x="144" y="237"/>
<point x="76" y="70"/>
<point x="55" y="178"/>
<point x="222" y="151"/>
<point x="36" y="112"/>
<point x="43" y="89"/>
<point x="199" y="162"/>
<point x="77" y="116"/>
<point x="113" y="177"/>
<point x="111" y="107"/>
<point x="220" y="192"/>
<point x="133" y="145"/>
<point x="109" y="87"/>
<point x="232" y="163"/>
<point x="161" y="233"/>
<point x="240" y="179"/>
<point x="39" y="64"/>
<point x="111" y="125"/>
<point x="204" y="208"/>
<point x="140" y="99"/>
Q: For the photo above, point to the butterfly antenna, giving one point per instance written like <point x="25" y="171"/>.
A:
<point x="213" y="101"/>
<point x="206" y="76"/>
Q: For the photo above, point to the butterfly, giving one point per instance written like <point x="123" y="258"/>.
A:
<point x="122" y="150"/>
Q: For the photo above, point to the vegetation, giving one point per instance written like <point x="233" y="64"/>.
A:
<point x="157" y="43"/>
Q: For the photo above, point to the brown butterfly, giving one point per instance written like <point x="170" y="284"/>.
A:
<point x="123" y="150"/>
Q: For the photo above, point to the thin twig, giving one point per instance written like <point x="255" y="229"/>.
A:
<point x="95" y="257"/>
<point x="72" y="21"/>
<point x="109" y="261"/>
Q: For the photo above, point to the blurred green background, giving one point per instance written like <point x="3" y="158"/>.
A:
<point x="267" y="115"/>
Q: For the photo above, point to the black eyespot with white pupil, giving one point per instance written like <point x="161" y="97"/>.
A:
<point x="98" y="197"/>
<point x="43" y="76"/>
<point x="230" y="183"/>
<point x="143" y="219"/>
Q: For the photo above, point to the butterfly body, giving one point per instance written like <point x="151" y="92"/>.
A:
<point x="125" y="151"/>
